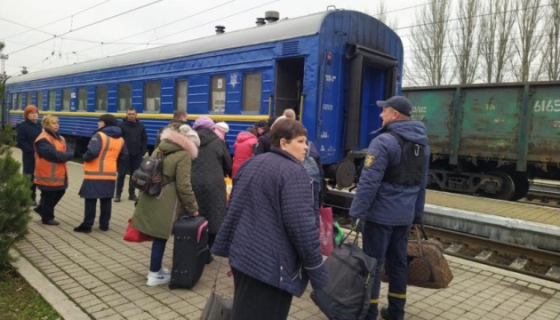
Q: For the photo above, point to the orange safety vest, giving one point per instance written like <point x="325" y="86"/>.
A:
<point x="50" y="174"/>
<point x="104" y="166"/>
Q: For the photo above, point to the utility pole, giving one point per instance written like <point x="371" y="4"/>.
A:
<point x="3" y="58"/>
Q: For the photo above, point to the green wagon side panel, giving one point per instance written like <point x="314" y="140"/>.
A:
<point x="490" y="122"/>
<point x="435" y="109"/>
<point x="544" y="125"/>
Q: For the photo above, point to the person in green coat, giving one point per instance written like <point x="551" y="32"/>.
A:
<point x="155" y="215"/>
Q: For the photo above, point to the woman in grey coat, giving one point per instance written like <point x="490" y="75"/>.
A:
<point x="208" y="171"/>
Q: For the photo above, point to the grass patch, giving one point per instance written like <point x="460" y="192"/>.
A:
<point x="19" y="301"/>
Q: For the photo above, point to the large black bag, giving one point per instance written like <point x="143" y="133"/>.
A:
<point x="347" y="294"/>
<point x="190" y="251"/>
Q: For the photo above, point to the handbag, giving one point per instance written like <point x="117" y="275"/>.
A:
<point x="427" y="267"/>
<point x="348" y="292"/>
<point x="326" y="230"/>
<point x="133" y="235"/>
<point x="217" y="307"/>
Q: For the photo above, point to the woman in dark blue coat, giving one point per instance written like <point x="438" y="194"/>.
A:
<point x="26" y="132"/>
<point x="271" y="233"/>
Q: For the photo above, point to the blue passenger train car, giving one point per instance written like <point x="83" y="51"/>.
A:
<point x="330" y="67"/>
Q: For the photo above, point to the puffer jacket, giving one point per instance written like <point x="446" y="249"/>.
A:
<point x="383" y="202"/>
<point x="270" y="231"/>
<point x="243" y="150"/>
<point x="155" y="216"/>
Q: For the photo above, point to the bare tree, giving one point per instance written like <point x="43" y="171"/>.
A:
<point x="551" y="52"/>
<point x="529" y="14"/>
<point x="382" y="15"/>
<point x="462" y="44"/>
<point x="428" y="44"/>
<point x="496" y="44"/>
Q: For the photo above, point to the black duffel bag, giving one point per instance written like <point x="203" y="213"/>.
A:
<point x="347" y="294"/>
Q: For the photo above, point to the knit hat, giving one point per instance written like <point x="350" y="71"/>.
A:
<point x="222" y="126"/>
<point x="203" y="122"/>
<point x="186" y="130"/>
<point x="29" y="109"/>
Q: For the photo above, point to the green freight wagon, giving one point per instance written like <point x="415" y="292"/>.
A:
<point x="490" y="139"/>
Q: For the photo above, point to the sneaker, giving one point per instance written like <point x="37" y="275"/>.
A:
<point x="118" y="198"/>
<point x="82" y="229"/>
<point x="163" y="271"/>
<point x="157" y="278"/>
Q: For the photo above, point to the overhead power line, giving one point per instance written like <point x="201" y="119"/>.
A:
<point x="86" y="26"/>
<point x="52" y="22"/>
<point x="206" y="23"/>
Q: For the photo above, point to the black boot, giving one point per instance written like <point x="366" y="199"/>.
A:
<point x="118" y="198"/>
<point x="83" y="229"/>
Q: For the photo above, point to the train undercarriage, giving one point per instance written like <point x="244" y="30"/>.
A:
<point x="492" y="179"/>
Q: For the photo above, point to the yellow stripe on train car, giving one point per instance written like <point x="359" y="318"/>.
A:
<point x="169" y="116"/>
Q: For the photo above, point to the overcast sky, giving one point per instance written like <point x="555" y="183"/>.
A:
<point x="25" y="23"/>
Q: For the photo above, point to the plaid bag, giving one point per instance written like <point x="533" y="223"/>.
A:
<point x="427" y="267"/>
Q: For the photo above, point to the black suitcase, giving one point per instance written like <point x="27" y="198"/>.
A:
<point x="190" y="251"/>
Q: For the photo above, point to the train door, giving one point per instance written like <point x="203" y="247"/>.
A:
<point x="372" y="77"/>
<point x="288" y="86"/>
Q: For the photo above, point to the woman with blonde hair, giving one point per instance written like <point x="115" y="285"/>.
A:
<point x="51" y="174"/>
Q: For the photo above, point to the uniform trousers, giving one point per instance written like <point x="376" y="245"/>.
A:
<point x="389" y="244"/>
<point x="49" y="200"/>
<point x="105" y="214"/>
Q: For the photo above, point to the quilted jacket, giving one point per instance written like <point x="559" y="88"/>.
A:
<point x="270" y="231"/>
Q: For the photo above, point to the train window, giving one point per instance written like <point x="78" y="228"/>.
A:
<point x="125" y="97"/>
<point x="19" y="102"/>
<point x="29" y="100"/>
<point x="82" y="99"/>
<point x="66" y="99"/>
<point x="52" y="100"/>
<point x="218" y="93"/>
<point x="14" y="101"/>
<point x="252" y="92"/>
<point x="101" y="98"/>
<point x="40" y="100"/>
<point x="181" y="92"/>
<point x="152" y="96"/>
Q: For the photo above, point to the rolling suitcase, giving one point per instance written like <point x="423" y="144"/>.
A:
<point x="190" y="251"/>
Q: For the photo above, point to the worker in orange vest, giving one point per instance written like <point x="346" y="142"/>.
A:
<point x="51" y="175"/>
<point x="105" y="148"/>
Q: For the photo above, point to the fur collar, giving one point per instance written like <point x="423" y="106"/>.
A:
<point x="180" y="140"/>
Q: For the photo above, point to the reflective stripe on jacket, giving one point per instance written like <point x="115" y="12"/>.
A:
<point x="49" y="173"/>
<point x="104" y="166"/>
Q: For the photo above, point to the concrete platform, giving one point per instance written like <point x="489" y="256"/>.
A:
<point x="104" y="277"/>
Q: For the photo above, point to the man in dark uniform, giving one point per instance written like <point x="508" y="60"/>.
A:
<point x="390" y="197"/>
<point x="27" y="132"/>
<point x="136" y="140"/>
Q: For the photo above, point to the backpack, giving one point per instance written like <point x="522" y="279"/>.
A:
<point x="410" y="170"/>
<point x="312" y="169"/>
<point x="148" y="177"/>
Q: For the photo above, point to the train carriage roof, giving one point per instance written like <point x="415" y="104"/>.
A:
<point x="279" y="30"/>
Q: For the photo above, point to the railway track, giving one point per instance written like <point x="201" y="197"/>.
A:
<point x="530" y="261"/>
<point x="543" y="193"/>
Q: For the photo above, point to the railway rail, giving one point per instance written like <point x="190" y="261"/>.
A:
<point x="530" y="261"/>
<point x="543" y="193"/>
